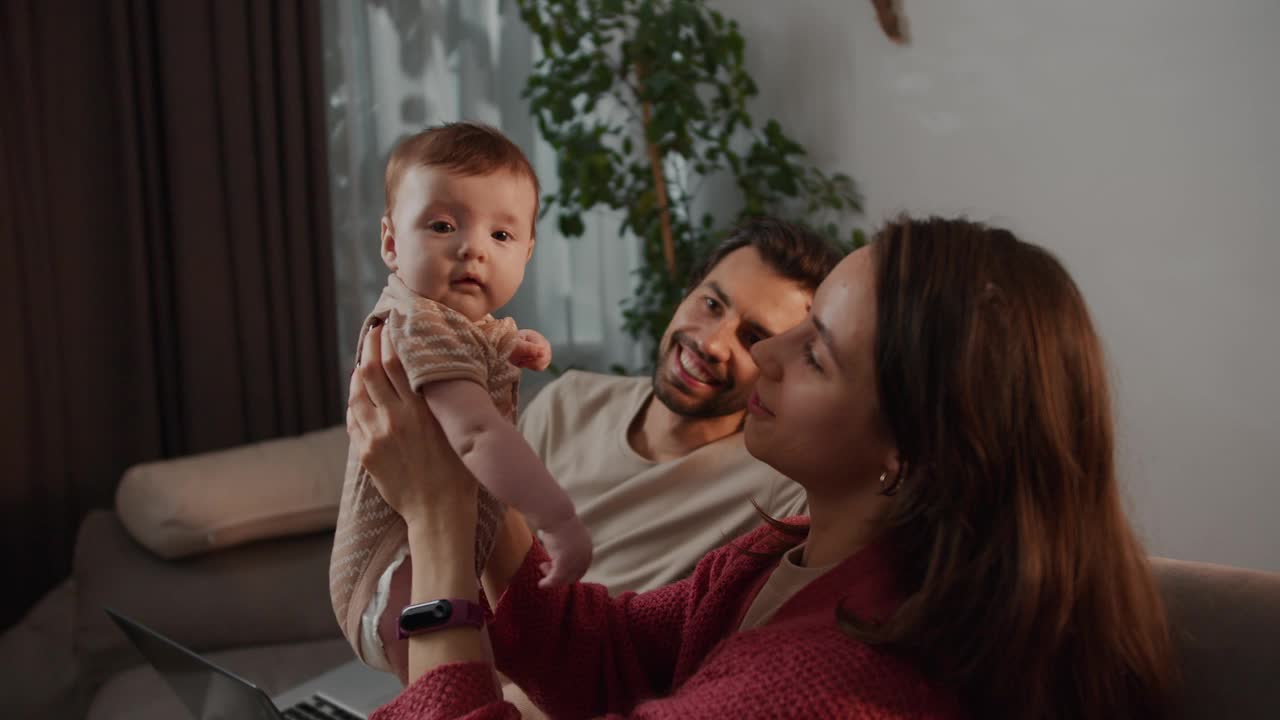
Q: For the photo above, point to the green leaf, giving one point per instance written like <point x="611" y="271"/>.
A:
<point x="659" y="83"/>
<point x="857" y="238"/>
<point x="571" y="225"/>
<point x="700" y="92"/>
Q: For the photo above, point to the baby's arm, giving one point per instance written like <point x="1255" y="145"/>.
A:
<point x="532" y="352"/>
<point x="495" y="452"/>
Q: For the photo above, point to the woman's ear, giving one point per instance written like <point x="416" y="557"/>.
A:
<point x="895" y="473"/>
<point x="894" y="465"/>
<point x="388" y="243"/>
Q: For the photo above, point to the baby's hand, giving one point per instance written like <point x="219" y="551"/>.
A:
<point x="569" y="546"/>
<point x="532" y="352"/>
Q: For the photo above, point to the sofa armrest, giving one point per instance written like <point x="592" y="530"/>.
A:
<point x="1225" y="623"/>
<point x="269" y="592"/>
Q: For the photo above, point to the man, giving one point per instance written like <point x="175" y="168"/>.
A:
<point x="657" y="468"/>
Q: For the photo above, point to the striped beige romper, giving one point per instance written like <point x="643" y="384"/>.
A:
<point x="434" y="343"/>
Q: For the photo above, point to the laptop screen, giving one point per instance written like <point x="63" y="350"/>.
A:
<point x="208" y="691"/>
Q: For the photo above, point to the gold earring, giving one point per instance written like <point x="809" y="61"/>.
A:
<point x="891" y="490"/>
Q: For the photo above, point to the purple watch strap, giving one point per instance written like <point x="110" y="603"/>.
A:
<point x="439" y="615"/>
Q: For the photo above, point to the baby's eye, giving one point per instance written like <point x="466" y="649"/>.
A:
<point x="502" y="235"/>
<point x="441" y="226"/>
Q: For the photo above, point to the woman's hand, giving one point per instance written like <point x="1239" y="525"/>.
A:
<point x="399" y="439"/>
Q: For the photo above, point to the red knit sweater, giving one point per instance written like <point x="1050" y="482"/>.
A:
<point x="675" y="652"/>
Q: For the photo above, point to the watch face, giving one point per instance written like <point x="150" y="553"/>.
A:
<point x="417" y="618"/>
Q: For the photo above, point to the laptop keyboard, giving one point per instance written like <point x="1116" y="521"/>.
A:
<point x="317" y="708"/>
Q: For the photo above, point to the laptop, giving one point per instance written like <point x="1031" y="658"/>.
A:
<point x="348" y="692"/>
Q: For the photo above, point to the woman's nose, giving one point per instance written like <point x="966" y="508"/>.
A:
<point x="764" y="353"/>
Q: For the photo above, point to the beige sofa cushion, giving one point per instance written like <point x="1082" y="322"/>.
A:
<point x="191" y="505"/>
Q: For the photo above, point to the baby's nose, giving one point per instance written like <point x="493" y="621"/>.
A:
<point x="470" y="247"/>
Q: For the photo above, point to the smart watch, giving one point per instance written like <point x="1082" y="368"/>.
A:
<point x="439" y="615"/>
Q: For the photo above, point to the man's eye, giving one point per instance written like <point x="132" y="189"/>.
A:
<point x="502" y="235"/>
<point x="440" y="226"/>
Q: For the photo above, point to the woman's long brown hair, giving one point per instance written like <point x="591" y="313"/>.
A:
<point x="1029" y="591"/>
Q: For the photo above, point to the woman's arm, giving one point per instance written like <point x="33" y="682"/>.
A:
<point x="626" y="655"/>
<point x="395" y="434"/>
<point x="580" y="653"/>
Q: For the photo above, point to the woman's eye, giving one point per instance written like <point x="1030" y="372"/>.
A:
<point x="751" y="339"/>
<point x="440" y="226"/>
<point x="712" y="304"/>
<point x="502" y="235"/>
<point x="810" y="358"/>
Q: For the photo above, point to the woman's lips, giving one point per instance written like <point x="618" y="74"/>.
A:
<point x="755" y="407"/>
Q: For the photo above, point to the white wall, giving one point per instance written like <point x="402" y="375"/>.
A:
<point x="1140" y="141"/>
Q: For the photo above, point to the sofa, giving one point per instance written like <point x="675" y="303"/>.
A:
<point x="228" y="554"/>
<point x="225" y="552"/>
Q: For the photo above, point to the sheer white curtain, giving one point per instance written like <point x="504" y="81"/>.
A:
<point x="393" y="67"/>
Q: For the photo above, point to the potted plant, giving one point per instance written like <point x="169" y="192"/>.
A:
<point x="644" y="100"/>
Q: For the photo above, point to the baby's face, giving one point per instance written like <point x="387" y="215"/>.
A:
<point x="460" y="240"/>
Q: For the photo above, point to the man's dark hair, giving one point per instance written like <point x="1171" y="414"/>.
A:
<point x="793" y="251"/>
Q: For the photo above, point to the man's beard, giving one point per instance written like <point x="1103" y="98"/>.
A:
<point x="724" y="401"/>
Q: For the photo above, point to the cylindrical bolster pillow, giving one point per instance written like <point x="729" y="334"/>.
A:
<point x="186" y="506"/>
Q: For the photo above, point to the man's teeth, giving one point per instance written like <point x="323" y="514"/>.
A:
<point x="691" y="368"/>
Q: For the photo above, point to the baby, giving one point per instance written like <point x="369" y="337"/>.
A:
<point x="457" y="233"/>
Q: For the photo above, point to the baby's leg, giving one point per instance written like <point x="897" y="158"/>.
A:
<point x="368" y="603"/>
<point x="368" y="541"/>
<point x="385" y="600"/>
<point x="395" y="650"/>
<point x="368" y="537"/>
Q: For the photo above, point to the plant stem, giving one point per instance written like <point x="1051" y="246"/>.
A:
<point x="659" y="181"/>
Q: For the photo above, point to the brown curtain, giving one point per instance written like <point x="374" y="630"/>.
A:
<point x="166" y="261"/>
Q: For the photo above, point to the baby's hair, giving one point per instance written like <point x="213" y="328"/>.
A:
<point x="464" y="148"/>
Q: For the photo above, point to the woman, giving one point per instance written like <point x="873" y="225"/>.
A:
<point x="946" y="410"/>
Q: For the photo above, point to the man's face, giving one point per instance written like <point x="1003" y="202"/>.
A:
<point x="704" y="364"/>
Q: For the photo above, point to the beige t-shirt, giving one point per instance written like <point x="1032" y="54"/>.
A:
<point x="786" y="580"/>
<point x="651" y="522"/>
